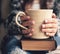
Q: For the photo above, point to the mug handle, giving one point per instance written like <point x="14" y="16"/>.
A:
<point x="20" y="13"/>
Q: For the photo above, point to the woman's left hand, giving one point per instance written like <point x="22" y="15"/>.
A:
<point x="49" y="27"/>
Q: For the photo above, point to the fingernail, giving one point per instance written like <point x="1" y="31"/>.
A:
<point x="33" y="22"/>
<point x="28" y="17"/>
<point x="46" y="21"/>
<point x="47" y="33"/>
<point x="33" y="30"/>
<point x="43" y="26"/>
<point x="30" y="34"/>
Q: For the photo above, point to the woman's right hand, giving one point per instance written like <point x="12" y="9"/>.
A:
<point x="27" y="22"/>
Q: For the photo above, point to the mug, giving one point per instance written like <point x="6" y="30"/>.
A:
<point x="38" y="16"/>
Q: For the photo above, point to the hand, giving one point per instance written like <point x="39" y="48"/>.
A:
<point x="27" y="22"/>
<point x="50" y="26"/>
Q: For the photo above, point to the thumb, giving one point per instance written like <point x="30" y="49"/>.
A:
<point x="54" y="15"/>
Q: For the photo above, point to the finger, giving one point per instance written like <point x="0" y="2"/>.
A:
<point x="49" y="30"/>
<point x="28" y="23"/>
<point x="53" y="20"/>
<point x="54" y="16"/>
<point x="28" y="35"/>
<point x="23" y="18"/>
<point x="49" y="25"/>
<point x="50" y="34"/>
<point x="27" y="31"/>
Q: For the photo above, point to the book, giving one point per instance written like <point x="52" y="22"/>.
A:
<point x="38" y="45"/>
